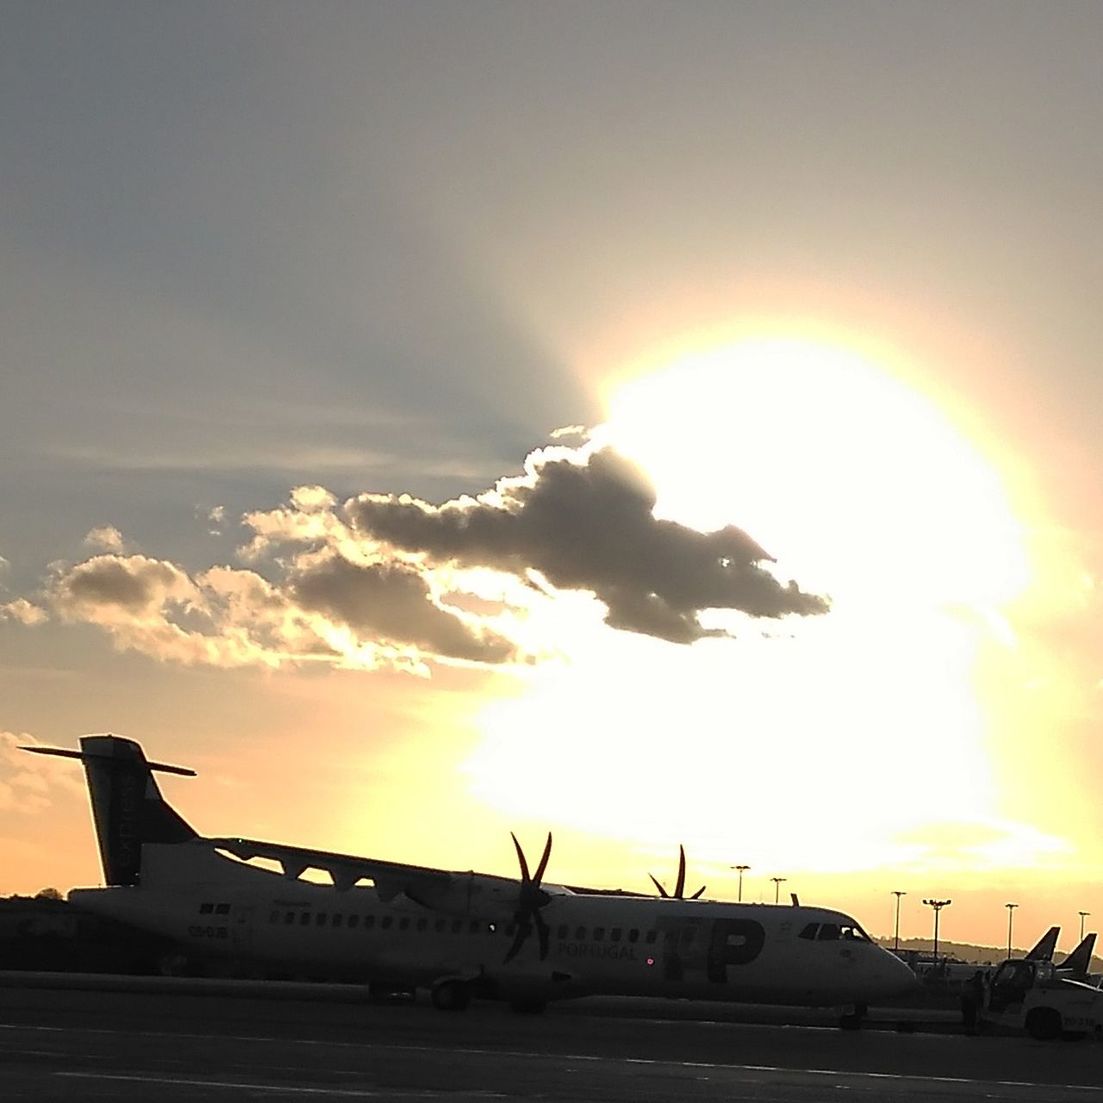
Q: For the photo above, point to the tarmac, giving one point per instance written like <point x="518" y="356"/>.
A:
<point x="65" y="1038"/>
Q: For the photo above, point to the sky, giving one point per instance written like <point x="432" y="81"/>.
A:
<point x="653" y="423"/>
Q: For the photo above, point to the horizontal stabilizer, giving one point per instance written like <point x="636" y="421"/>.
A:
<point x="111" y="760"/>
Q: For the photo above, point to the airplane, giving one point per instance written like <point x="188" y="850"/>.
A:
<point x="461" y="935"/>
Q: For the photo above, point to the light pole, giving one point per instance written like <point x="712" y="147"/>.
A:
<point x="1083" y="916"/>
<point x="742" y="870"/>
<point x="777" y="886"/>
<point x="896" y="932"/>
<point x="938" y="905"/>
<point x="1010" y="913"/>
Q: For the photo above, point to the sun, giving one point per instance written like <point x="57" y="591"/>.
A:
<point x="858" y="481"/>
<point x="814" y="742"/>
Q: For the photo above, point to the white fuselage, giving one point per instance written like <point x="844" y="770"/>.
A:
<point x="596" y="943"/>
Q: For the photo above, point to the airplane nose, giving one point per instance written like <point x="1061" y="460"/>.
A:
<point x="896" y="978"/>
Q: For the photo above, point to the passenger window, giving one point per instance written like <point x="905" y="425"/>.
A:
<point x="474" y="926"/>
<point x="829" y="932"/>
<point x="457" y="926"/>
<point x="354" y="921"/>
<point x="809" y="931"/>
<point x="634" y="935"/>
<point x="304" y="919"/>
<point x="615" y="934"/>
<point x="651" y="937"/>
<point x="289" y="917"/>
<point x="273" y="917"/>
<point x="599" y="934"/>
<point x="422" y="923"/>
<point x="320" y="919"/>
<point x="404" y="923"/>
<point x="580" y="934"/>
<point x="206" y="909"/>
<point x="439" y="925"/>
<point x="369" y="922"/>
<point x="386" y="922"/>
<point x="337" y="920"/>
<point x="670" y="937"/>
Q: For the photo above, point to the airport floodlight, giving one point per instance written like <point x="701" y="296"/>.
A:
<point x="777" y="887"/>
<point x="937" y="905"/>
<point x="742" y="870"/>
<point x="896" y="930"/>
<point x="1010" y="913"/>
<point x="1083" y="916"/>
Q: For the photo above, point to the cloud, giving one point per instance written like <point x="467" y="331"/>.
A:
<point x="105" y="538"/>
<point x="585" y="521"/>
<point x="120" y="589"/>
<point x="24" y="611"/>
<point x="26" y="780"/>
<point x="393" y="602"/>
<point x="322" y="608"/>
<point x="393" y="580"/>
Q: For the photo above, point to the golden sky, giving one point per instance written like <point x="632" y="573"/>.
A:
<point x="654" y="429"/>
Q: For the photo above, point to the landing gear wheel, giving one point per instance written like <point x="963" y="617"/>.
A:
<point x="853" y="1019"/>
<point x="451" y="995"/>
<point x="1043" y="1024"/>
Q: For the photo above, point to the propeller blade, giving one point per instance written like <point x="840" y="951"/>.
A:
<point x="662" y="892"/>
<point x="543" y="933"/>
<point x="521" y="858"/>
<point x="680" y="885"/>
<point x="523" y="931"/>
<point x="543" y="862"/>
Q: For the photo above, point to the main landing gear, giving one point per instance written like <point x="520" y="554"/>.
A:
<point x="451" y="995"/>
<point x="853" y="1019"/>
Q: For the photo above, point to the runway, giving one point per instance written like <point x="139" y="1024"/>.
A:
<point x="64" y="1045"/>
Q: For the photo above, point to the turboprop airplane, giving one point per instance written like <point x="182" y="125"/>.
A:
<point x="459" y="934"/>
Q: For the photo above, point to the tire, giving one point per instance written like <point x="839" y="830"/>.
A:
<point x="451" y="995"/>
<point x="1043" y="1024"/>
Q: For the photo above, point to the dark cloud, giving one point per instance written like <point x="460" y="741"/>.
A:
<point x="391" y="602"/>
<point x="590" y="525"/>
<point x="133" y="585"/>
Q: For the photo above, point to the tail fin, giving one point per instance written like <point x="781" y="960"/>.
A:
<point x="1078" y="963"/>
<point x="127" y="806"/>
<point x="1044" y="947"/>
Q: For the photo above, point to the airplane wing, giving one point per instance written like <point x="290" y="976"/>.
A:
<point x="439" y="889"/>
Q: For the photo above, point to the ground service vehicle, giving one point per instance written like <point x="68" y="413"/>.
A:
<point x="1034" y="996"/>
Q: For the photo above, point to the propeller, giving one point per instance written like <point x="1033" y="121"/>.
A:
<point x="530" y="900"/>
<point x="680" y="886"/>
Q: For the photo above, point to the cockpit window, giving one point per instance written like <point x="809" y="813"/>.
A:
<point x="809" y="931"/>
<point x="829" y="932"/>
<point x="853" y="933"/>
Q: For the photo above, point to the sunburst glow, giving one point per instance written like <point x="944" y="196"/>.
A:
<point x="865" y="491"/>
